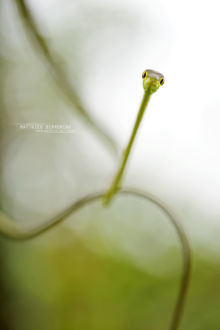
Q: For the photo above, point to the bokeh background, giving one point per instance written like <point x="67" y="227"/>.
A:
<point x="117" y="268"/>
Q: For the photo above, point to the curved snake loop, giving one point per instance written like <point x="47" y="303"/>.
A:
<point x="16" y="232"/>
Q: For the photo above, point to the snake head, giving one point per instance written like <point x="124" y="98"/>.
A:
<point x="152" y="80"/>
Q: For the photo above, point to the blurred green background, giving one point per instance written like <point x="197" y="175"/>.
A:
<point x="117" y="268"/>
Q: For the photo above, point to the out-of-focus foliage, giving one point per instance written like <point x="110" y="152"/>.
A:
<point x="117" y="269"/>
<point x="68" y="287"/>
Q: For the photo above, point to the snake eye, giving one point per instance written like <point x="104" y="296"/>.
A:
<point x="161" y="81"/>
<point x="144" y="74"/>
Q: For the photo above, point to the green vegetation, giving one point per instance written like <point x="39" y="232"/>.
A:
<point x="67" y="286"/>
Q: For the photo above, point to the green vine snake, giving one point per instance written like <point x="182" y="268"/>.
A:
<point x="17" y="231"/>
<point x="152" y="80"/>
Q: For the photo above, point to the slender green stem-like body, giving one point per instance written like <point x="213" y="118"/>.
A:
<point x="117" y="179"/>
<point x="16" y="231"/>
